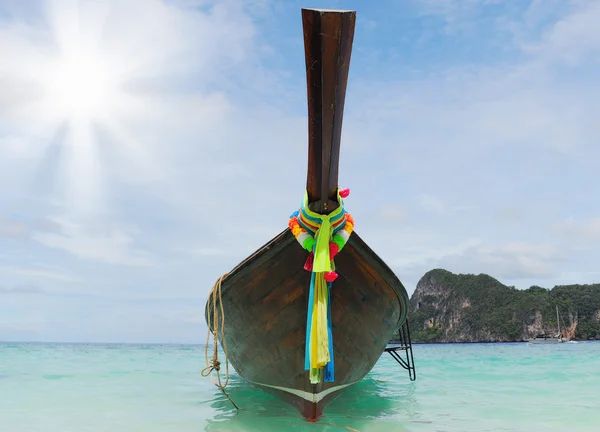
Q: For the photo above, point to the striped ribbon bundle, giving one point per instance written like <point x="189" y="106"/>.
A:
<point x="323" y="236"/>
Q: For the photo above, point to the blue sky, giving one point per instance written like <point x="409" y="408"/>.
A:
<point x="140" y="139"/>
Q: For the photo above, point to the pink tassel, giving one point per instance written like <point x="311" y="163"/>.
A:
<point x="333" y="249"/>
<point x="330" y="276"/>
<point x="344" y="193"/>
<point x="308" y="265"/>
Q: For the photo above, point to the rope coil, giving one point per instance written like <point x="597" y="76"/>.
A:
<point x="214" y="364"/>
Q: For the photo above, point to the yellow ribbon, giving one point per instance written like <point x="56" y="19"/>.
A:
<point x="319" y="338"/>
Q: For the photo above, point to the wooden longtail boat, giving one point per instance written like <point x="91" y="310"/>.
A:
<point x="275" y="307"/>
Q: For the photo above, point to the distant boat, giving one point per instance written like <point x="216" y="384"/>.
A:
<point x="546" y="339"/>
<point x="288" y="311"/>
<point x="550" y="339"/>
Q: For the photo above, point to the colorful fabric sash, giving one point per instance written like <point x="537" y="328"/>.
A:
<point x="323" y="236"/>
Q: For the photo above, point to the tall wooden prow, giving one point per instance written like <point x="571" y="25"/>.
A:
<point x="328" y="38"/>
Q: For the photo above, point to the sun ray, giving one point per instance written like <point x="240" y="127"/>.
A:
<point x="81" y="86"/>
<point x="83" y="170"/>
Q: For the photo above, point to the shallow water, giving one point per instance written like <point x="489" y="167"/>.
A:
<point x="150" y="388"/>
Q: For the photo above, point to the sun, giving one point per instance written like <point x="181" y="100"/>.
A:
<point x="81" y="86"/>
<point x="76" y="80"/>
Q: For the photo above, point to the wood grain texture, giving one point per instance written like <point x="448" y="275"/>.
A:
<point x="265" y="300"/>
<point x="328" y="38"/>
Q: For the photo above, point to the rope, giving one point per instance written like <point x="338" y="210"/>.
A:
<point x="214" y="365"/>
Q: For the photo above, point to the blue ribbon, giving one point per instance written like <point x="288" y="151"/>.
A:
<point x="329" y="368"/>
<point x="311" y="300"/>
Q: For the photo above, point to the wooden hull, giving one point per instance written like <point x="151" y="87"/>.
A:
<point x="265" y="300"/>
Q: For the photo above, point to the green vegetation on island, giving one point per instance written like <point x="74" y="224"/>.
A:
<point x="448" y="307"/>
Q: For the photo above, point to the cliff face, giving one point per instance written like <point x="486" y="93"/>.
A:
<point x="446" y="307"/>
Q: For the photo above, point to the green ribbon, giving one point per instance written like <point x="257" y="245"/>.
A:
<point x="322" y="261"/>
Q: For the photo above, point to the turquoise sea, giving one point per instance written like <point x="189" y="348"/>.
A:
<point x="151" y="388"/>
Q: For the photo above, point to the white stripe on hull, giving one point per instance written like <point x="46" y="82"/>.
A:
<point x="310" y="397"/>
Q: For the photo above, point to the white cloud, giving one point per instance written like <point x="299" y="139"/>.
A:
<point x="20" y="323"/>
<point x="579" y="230"/>
<point x="433" y="204"/>
<point x="392" y="213"/>
<point x="573" y="39"/>
<point x="40" y="272"/>
<point x="510" y="261"/>
<point x="12" y="228"/>
<point x="509" y="214"/>
<point x="154" y="118"/>
<point x="517" y="102"/>
<point x="22" y="289"/>
<point x="462" y="162"/>
<point x="186" y="315"/>
<point x="96" y="241"/>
